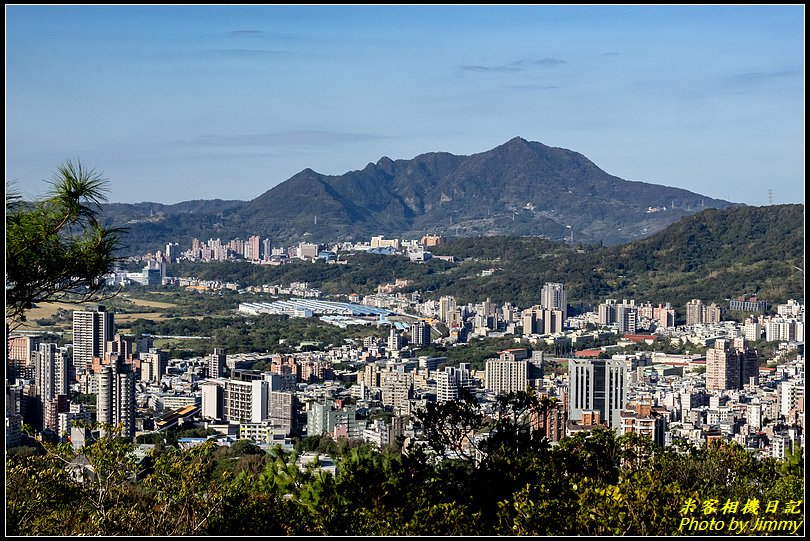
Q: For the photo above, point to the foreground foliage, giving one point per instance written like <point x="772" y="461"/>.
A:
<point x="512" y="482"/>
<point x="57" y="249"/>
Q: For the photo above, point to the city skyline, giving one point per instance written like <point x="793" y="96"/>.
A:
<point x="175" y="103"/>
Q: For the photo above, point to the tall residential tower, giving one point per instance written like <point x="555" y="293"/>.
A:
<point x="92" y="329"/>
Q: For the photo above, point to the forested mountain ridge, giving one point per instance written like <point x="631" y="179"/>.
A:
<point x="518" y="188"/>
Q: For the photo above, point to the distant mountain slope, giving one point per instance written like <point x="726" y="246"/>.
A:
<point x="518" y="188"/>
<point x="711" y="255"/>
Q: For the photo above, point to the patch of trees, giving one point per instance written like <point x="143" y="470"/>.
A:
<point x="511" y="481"/>
<point x="239" y="334"/>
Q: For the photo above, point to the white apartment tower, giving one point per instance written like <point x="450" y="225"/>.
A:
<point x="598" y="384"/>
<point x="420" y="333"/>
<point x="92" y="329"/>
<point x="452" y="380"/>
<point x="503" y="376"/>
<point x="51" y="376"/>
<point x="115" y="401"/>
<point x="554" y="298"/>
<point x="395" y="341"/>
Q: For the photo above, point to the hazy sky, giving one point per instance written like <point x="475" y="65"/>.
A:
<point x="173" y="103"/>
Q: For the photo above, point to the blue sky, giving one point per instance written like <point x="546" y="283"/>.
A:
<point x="173" y="103"/>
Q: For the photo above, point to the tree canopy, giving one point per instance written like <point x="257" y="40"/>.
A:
<point x="56" y="247"/>
<point x="511" y="482"/>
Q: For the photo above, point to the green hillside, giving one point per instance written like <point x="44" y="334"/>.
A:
<point x="711" y="255"/>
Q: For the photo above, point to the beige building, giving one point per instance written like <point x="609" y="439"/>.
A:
<point x="505" y="376"/>
<point x="697" y="312"/>
<point x="396" y="390"/>
<point x="642" y="418"/>
<point x="730" y="364"/>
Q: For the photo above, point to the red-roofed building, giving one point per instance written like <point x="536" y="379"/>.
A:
<point x="648" y="338"/>
<point x="589" y="353"/>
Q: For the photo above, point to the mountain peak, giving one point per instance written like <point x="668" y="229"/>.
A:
<point x="519" y="143"/>
<point x="519" y="188"/>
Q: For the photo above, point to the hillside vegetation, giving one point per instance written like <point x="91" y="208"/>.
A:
<point x="712" y="255"/>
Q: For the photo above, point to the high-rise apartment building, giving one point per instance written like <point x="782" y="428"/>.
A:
<point x="664" y="315"/>
<point x="451" y="381"/>
<point x="396" y="389"/>
<point x="781" y="329"/>
<point x="551" y="420"/>
<point x="553" y="297"/>
<point x="627" y="318"/>
<point x="697" y="312"/>
<point x="730" y="364"/>
<point x="196" y="248"/>
<point x="267" y="249"/>
<point x="539" y="320"/>
<point x="153" y="365"/>
<point x="531" y="318"/>
<point x="21" y="352"/>
<point x="607" y="312"/>
<point x="212" y="399"/>
<point x="253" y="248"/>
<point x="115" y="401"/>
<point x="323" y="418"/>
<point x="51" y="410"/>
<point x="597" y="384"/>
<point x="553" y="321"/>
<point x="172" y="251"/>
<point x="395" y="341"/>
<point x="282" y="410"/>
<point x="51" y="380"/>
<point x="713" y="313"/>
<point x="752" y="330"/>
<point x="92" y="329"/>
<point x="244" y="400"/>
<point x="216" y="363"/>
<point x="420" y="333"/>
<point x="249" y="400"/>
<point x="790" y="394"/>
<point x="447" y="309"/>
<point x="506" y="375"/>
<point x="121" y="345"/>
<point x="52" y="370"/>
<point x="694" y="312"/>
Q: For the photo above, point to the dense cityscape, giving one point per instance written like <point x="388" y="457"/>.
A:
<point x="719" y="391"/>
<point x="628" y="367"/>
<point x="487" y="270"/>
